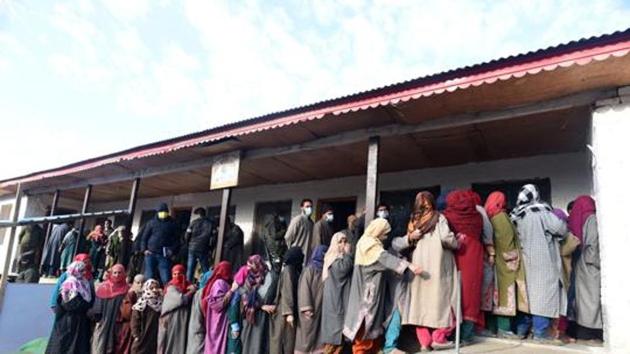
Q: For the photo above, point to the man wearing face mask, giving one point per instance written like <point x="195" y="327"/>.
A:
<point x="159" y="243"/>
<point x="300" y="230"/>
<point x="323" y="231"/>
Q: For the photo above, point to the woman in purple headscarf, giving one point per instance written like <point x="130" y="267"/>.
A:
<point x="310" y="295"/>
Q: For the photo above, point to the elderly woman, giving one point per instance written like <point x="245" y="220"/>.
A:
<point x="145" y="317"/>
<point x="431" y="301"/>
<point x="71" y="330"/>
<point x="366" y="312"/>
<point x="123" y="345"/>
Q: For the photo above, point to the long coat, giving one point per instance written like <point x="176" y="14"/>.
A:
<point x="367" y="297"/>
<point x="510" y="291"/>
<point x="255" y="336"/>
<point x="281" y="333"/>
<point x="300" y="233"/>
<point x="173" y="328"/>
<point x="71" y="329"/>
<point x="144" y="330"/>
<point x="310" y="295"/>
<point x="431" y="297"/>
<point x="107" y="329"/>
<point x="588" y="306"/>
<point x="196" y="326"/>
<point x="335" y="300"/>
<point x="539" y="235"/>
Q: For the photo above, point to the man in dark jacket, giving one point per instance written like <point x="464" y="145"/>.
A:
<point x="159" y="243"/>
<point x="199" y="238"/>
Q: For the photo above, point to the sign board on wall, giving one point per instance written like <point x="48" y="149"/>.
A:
<point x="225" y="171"/>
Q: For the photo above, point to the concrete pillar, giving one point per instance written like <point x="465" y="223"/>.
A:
<point x="611" y="167"/>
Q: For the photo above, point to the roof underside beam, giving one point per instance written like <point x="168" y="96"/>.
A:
<point x="576" y="100"/>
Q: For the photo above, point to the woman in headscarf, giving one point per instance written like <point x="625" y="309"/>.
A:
<point x="123" y="345"/>
<point x="87" y="275"/>
<point x="178" y="294"/>
<point x="466" y="222"/>
<point x="309" y="301"/>
<point x="258" y="291"/>
<point x="510" y="292"/>
<point x="336" y="275"/>
<point x="215" y="299"/>
<point x="98" y="242"/>
<point x="588" y="307"/>
<point x="109" y="297"/>
<point x="283" y="321"/>
<point x="365" y="314"/>
<point x="197" y="323"/>
<point x="430" y="299"/>
<point x="145" y="317"/>
<point x="71" y="329"/>
<point x="539" y="235"/>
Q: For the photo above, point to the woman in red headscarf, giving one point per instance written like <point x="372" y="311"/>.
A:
<point x="173" y="329"/>
<point x="466" y="222"/>
<point x="215" y="298"/>
<point x="109" y="296"/>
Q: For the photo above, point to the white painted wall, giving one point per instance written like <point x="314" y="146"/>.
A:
<point x="611" y="145"/>
<point x="570" y="176"/>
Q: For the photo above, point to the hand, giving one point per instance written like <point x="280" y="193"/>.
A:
<point x="270" y="309"/>
<point x="147" y="252"/>
<point x="290" y="320"/>
<point x="491" y="259"/>
<point x="235" y="334"/>
<point x="234" y="287"/>
<point x="415" y="235"/>
<point x="461" y="237"/>
<point x="308" y="313"/>
<point x="415" y="269"/>
<point x="347" y="249"/>
<point x="191" y="288"/>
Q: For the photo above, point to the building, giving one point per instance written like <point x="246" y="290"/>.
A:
<point x="558" y="117"/>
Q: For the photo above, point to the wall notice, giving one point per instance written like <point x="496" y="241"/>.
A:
<point x="225" y="171"/>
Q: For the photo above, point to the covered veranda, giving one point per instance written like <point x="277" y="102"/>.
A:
<point x="521" y="118"/>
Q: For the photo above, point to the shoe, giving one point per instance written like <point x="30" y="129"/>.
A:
<point x="425" y="349"/>
<point x="509" y="335"/>
<point x="443" y="346"/>
<point x="548" y="340"/>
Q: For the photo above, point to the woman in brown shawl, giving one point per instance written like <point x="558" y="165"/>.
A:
<point x="430" y="304"/>
<point x="123" y="345"/>
<point x="145" y="318"/>
<point x="509" y="292"/>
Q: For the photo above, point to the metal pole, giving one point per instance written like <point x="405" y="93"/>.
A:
<point x="9" y="253"/>
<point x="53" y="209"/>
<point x="371" y="190"/>
<point x="133" y="199"/>
<point x="225" y="207"/>
<point x="86" y="203"/>
<point x="458" y="313"/>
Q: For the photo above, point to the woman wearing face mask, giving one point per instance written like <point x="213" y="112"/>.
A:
<point x="366" y="311"/>
<point x="336" y="275"/>
<point x="173" y="327"/>
<point x="109" y="296"/>
<point x="123" y="345"/>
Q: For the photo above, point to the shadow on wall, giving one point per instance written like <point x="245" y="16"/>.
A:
<point x="25" y="315"/>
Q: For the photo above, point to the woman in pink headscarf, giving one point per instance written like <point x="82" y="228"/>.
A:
<point x="109" y="296"/>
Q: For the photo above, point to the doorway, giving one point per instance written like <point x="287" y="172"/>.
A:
<point x="264" y="211"/>
<point x="342" y="208"/>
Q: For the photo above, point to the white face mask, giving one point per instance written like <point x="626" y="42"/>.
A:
<point x="308" y="211"/>
<point x="383" y="214"/>
<point x="329" y="217"/>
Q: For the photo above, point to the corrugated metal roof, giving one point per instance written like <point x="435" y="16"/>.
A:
<point x="580" y="52"/>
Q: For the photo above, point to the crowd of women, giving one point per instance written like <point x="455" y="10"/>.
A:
<point x="533" y="271"/>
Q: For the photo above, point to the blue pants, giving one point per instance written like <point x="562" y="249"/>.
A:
<point x="540" y="325"/>
<point x="193" y="257"/>
<point x="392" y="332"/>
<point x="163" y="265"/>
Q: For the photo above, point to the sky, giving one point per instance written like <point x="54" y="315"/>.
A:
<point x="80" y="79"/>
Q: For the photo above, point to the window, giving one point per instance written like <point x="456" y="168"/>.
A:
<point x="511" y="189"/>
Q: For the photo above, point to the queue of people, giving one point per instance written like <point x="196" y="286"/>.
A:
<point x="532" y="272"/>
